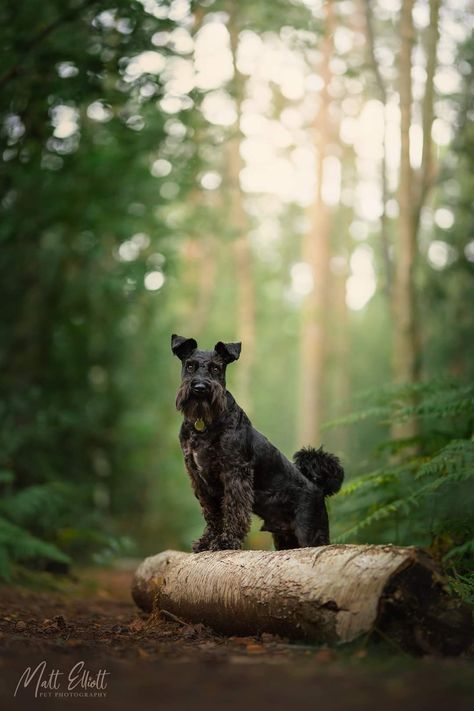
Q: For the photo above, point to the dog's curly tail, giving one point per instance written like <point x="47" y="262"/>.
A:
<point x="321" y="467"/>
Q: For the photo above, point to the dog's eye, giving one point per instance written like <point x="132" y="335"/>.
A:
<point x="190" y="367"/>
<point x="215" y="369"/>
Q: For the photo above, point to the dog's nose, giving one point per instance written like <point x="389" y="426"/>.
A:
<point x="199" y="388"/>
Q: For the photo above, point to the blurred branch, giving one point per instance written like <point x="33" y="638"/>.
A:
<point x="12" y="72"/>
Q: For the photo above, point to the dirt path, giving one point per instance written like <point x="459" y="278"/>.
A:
<point x="161" y="663"/>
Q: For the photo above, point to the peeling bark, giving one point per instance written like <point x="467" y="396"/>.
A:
<point x="332" y="594"/>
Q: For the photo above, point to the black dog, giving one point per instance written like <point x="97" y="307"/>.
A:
<point x="235" y="470"/>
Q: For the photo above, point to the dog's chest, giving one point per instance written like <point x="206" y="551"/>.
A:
<point x="205" y="459"/>
<point x="199" y="463"/>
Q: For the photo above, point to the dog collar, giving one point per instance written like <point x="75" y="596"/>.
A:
<point x="200" y="425"/>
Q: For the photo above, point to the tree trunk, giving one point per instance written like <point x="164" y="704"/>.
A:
<point x="413" y="190"/>
<point x="332" y="594"/>
<point x="426" y="173"/>
<point x="242" y="246"/>
<point x="316" y="253"/>
<point x="405" y="347"/>
<point x="340" y="356"/>
<point x="382" y="95"/>
<point x="199" y="264"/>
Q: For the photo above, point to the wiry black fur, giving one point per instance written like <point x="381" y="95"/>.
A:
<point x="235" y="470"/>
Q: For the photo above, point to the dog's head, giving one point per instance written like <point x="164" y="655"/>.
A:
<point x="202" y="393"/>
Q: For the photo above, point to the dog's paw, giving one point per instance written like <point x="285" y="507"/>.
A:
<point x="205" y="543"/>
<point x="224" y="543"/>
<point x="202" y="545"/>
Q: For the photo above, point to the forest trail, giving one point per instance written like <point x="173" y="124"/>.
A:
<point x="165" y="663"/>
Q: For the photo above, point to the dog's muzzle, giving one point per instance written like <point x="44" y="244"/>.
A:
<point x="200" y="388"/>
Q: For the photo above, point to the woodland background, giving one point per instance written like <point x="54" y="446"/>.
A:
<point x="293" y="174"/>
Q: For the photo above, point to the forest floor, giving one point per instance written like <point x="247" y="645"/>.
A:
<point x="161" y="663"/>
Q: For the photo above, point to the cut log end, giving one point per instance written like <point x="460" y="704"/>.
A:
<point x="418" y="614"/>
<point x="330" y="595"/>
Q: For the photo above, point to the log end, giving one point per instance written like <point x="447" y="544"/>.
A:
<point x="417" y="614"/>
<point x="150" y="576"/>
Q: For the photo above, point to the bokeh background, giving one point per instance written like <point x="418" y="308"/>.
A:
<point x="293" y="174"/>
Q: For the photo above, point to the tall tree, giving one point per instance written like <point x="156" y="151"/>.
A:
<point x="382" y="96"/>
<point x="316" y="253"/>
<point x="413" y="191"/>
<point x="239" y="222"/>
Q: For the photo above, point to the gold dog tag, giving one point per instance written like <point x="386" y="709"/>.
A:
<point x="200" y="425"/>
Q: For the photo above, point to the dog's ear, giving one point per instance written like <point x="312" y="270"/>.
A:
<point x="182" y="347"/>
<point x="228" y="351"/>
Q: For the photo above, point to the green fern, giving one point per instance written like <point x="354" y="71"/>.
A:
<point x="380" y="413"/>
<point x="463" y="585"/>
<point x="379" y="515"/>
<point x="447" y="403"/>
<point x="30" y="518"/>
<point x="35" y="527"/>
<point x="466" y="549"/>
<point x="37" y="507"/>
<point x="378" y="478"/>
<point x="438" y="399"/>
<point x="417" y="498"/>
<point x="458" y="456"/>
<point x="18" y="546"/>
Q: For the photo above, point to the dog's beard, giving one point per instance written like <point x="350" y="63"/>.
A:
<point x="206" y="408"/>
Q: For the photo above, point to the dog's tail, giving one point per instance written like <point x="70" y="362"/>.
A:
<point x="321" y="467"/>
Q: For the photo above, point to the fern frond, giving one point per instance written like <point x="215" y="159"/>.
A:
<point x="17" y="545"/>
<point x="379" y="477"/>
<point x="442" y="404"/>
<point x="404" y="505"/>
<point x="444" y="399"/>
<point x="466" y="548"/>
<point x="30" y="505"/>
<point x="458" y="454"/>
<point x="463" y="585"/>
<point x="378" y="515"/>
<point x="380" y="413"/>
<point x="419" y="495"/>
<point x="391" y="393"/>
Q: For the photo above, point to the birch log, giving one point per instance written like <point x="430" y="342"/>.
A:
<point x="332" y="594"/>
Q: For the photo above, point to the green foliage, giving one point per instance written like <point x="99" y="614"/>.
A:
<point x="422" y="492"/>
<point x="69" y="304"/>
<point x="17" y="545"/>
<point x="89" y="456"/>
<point x="463" y="585"/>
<point x="35" y="529"/>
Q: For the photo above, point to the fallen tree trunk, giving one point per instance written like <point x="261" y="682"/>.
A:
<point x="332" y="594"/>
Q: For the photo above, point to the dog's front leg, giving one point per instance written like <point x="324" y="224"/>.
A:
<point x="237" y="506"/>
<point x="213" y="517"/>
<point x="210" y="506"/>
